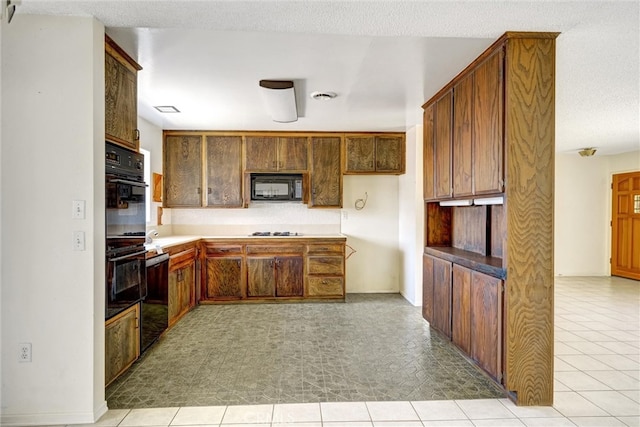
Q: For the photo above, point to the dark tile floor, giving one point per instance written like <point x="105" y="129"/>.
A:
<point x="374" y="347"/>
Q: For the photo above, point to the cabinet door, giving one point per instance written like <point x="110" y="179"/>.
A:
<point x="292" y="154"/>
<point x="442" y="146"/>
<point x="460" y="307"/>
<point x="427" y="288"/>
<point x="261" y="153"/>
<point x="122" y="343"/>
<point x="442" y="296"/>
<point x="487" y="125"/>
<point x="486" y="322"/>
<point x="462" y="127"/>
<point x="261" y="278"/>
<point x="223" y="278"/>
<point x="360" y="153"/>
<point x="181" y="291"/>
<point x="326" y="177"/>
<point x="182" y="171"/>
<point x="121" y="105"/>
<point x="224" y="171"/>
<point x="389" y="154"/>
<point x="429" y="153"/>
<point x="289" y="273"/>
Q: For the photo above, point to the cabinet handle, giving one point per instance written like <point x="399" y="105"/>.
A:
<point x="199" y="190"/>
<point x="271" y="263"/>
<point x="371" y="164"/>
<point x="238" y="262"/>
<point x="208" y="190"/>
<point x="136" y="136"/>
<point x="324" y="282"/>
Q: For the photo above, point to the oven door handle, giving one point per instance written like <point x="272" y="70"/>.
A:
<point x="125" y="181"/>
<point x="126" y="256"/>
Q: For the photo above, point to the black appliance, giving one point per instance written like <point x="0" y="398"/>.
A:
<point x="155" y="306"/>
<point x="125" y="222"/>
<point x="276" y="187"/>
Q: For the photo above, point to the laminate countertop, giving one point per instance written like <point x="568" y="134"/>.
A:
<point x="160" y="243"/>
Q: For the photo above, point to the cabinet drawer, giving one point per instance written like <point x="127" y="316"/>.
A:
<point x="326" y="249"/>
<point x="179" y="259"/>
<point x="325" y="265"/>
<point x="223" y="250"/>
<point x="325" y="286"/>
<point x="275" y="249"/>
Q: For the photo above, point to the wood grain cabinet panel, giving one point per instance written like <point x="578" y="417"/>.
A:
<point x="429" y="159"/>
<point x="224" y="171"/>
<point x="261" y="277"/>
<point x="360" y="153"/>
<point x="442" y="146"/>
<point x="276" y="154"/>
<point x="224" y="278"/>
<point x="121" y="96"/>
<point x="325" y="172"/>
<point x="486" y="323"/>
<point x="182" y="171"/>
<point x="289" y="276"/>
<point x="427" y="288"/>
<point x="181" y="291"/>
<point x="442" y="296"/>
<point x="374" y="154"/>
<point x="390" y="153"/>
<point x="292" y="154"/>
<point x="488" y="113"/>
<point x="326" y="286"/>
<point x="122" y="342"/>
<point x="462" y="137"/>
<point x="460" y="308"/>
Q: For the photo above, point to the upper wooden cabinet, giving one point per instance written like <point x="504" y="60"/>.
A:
<point x="224" y="171"/>
<point x="276" y="154"/>
<point x="374" y="154"/>
<point x="429" y="155"/>
<point x="182" y="171"/>
<point x="185" y="160"/>
<point x="462" y="137"/>
<point x="325" y="176"/>
<point x="121" y="96"/>
<point x="442" y="146"/>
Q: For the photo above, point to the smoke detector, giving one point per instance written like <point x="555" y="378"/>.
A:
<point x="587" y="152"/>
<point x="323" y="96"/>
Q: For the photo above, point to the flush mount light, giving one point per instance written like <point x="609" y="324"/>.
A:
<point x="323" y="96"/>
<point x="280" y="100"/>
<point x="466" y="202"/>
<point x="587" y="152"/>
<point x="167" y="109"/>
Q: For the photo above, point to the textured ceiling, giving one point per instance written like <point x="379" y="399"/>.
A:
<point x="382" y="58"/>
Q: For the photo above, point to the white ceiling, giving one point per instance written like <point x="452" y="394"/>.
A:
<point x="384" y="59"/>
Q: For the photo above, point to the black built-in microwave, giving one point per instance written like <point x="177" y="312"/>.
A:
<point x="276" y="187"/>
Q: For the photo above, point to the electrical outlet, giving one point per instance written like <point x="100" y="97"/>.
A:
<point x="78" y="240"/>
<point x="25" y="352"/>
<point x="77" y="209"/>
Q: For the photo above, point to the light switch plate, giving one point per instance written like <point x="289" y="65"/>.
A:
<point x="78" y="241"/>
<point x="78" y="209"/>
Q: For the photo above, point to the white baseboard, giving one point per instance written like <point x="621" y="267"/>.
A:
<point x="62" y="418"/>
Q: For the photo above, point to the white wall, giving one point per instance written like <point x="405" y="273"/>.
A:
<point x="583" y="211"/>
<point x="151" y="140"/>
<point x="52" y="153"/>
<point x="372" y="232"/>
<point x="411" y="223"/>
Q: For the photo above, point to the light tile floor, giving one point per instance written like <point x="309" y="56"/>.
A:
<point x="597" y="381"/>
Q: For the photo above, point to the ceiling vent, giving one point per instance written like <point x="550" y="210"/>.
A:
<point x="323" y="96"/>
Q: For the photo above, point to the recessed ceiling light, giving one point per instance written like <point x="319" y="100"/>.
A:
<point x="323" y="96"/>
<point x="167" y="109"/>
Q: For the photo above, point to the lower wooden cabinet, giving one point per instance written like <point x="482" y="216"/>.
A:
<point x="182" y="282"/>
<point x="460" y="308"/>
<point x="122" y="342"/>
<point x="325" y="270"/>
<point x="486" y="323"/>
<point x="274" y="276"/>
<point x="437" y="291"/>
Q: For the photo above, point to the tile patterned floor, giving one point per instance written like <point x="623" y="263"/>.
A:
<point x="372" y="348"/>
<point x="597" y="379"/>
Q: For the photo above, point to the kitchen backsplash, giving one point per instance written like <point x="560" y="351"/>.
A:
<point x="293" y="217"/>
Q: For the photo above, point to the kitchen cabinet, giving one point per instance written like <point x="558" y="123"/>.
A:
<point x="275" y="270"/>
<point x="325" y="172"/>
<point x="224" y="171"/>
<point x="223" y="272"/>
<point x="276" y="153"/>
<point x="121" y="97"/>
<point x="182" y="171"/>
<point x="486" y="323"/>
<point x="502" y="122"/>
<point x="122" y="342"/>
<point x="182" y="282"/>
<point x="437" y="293"/>
<point x="374" y="154"/>
<point x="325" y="270"/>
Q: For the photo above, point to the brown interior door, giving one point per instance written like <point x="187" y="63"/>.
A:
<point x="625" y="226"/>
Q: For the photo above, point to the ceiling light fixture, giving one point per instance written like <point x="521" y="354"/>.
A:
<point x="587" y="152"/>
<point x="323" y="96"/>
<point x="167" y="109"/>
<point x="280" y="99"/>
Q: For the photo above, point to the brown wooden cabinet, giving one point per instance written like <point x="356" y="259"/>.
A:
<point x="224" y="277"/>
<point x="182" y="171"/>
<point x="325" y="270"/>
<point x="486" y="323"/>
<point x="276" y="153"/>
<point x="121" y="96"/>
<point x="437" y="293"/>
<point x="442" y="146"/>
<point x="224" y="171"/>
<point x="122" y="342"/>
<point x="279" y="276"/>
<point x="503" y="113"/>
<point x="182" y="282"/>
<point x="374" y="154"/>
<point x="325" y="173"/>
